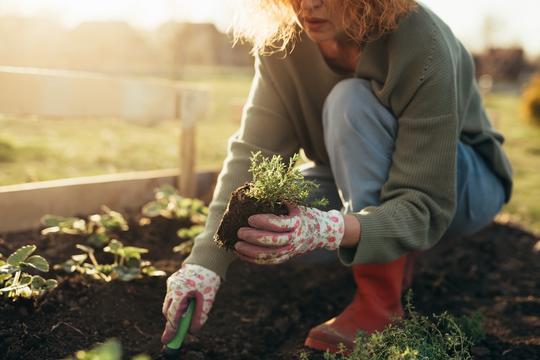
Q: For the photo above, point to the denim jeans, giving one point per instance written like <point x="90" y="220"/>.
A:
<point x="360" y="144"/>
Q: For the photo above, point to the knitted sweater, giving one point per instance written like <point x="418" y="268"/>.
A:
<point x="425" y="77"/>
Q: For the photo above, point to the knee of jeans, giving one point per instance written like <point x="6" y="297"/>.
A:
<point x="344" y="96"/>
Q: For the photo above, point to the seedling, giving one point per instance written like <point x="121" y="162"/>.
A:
<point x="109" y="350"/>
<point x="274" y="183"/>
<point x="15" y="282"/>
<point x="127" y="263"/>
<point x="98" y="230"/>
<point x="169" y="204"/>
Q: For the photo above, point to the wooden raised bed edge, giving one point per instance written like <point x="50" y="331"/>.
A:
<point x="23" y="205"/>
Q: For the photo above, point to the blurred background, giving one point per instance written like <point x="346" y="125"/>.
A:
<point x="188" y="41"/>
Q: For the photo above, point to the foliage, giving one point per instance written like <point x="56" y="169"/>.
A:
<point x="274" y="182"/>
<point x="127" y="263"/>
<point x="416" y="337"/>
<point x="530" y="101"/>
<point x="171" y="205"/>
<point x="98" y="229"/>
<point x="15" y="282"/>
<point x="109" y="350"/>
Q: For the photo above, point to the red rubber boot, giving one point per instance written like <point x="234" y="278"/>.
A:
<point x="377" y="299"/>
<point x="408" y="272"/>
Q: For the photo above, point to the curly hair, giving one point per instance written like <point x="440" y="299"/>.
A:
<point x="273" y="25"/>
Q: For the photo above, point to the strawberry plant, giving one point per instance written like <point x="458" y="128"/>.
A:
<point x="98" y="230"/>
<point x="16" y="282"/>
<point x="127" y="264"/>
<point x="169" y="204"/>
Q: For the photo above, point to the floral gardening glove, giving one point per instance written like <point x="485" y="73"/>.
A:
<point x="191" y="281"/>
<point x="275" y="239"/>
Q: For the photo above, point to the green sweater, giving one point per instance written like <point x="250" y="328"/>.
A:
<point x="424" y="75"/>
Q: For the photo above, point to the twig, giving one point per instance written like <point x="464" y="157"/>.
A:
<point x="140" y="331"/>
<point x="74" y="328"/>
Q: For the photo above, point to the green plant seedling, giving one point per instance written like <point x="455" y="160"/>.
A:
<point x="171" y="205"/>
<point x="109" y="350"/>
<point x="126" y="267"/>
<point x="98" y="230"/>
<point x="275" y="182"/>
<point x="15" y="282"/>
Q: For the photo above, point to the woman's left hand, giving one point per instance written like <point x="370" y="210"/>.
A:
<point x="273" y="239"/>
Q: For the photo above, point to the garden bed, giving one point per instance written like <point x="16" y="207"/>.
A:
<point x="265" y="312"/>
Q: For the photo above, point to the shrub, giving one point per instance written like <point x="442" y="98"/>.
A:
<point x="417" y="337"/>
<point x="530" y="101"/>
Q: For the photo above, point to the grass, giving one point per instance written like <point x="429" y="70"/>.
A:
<point x="36" y="149"/>
<point x="523" y="149"/>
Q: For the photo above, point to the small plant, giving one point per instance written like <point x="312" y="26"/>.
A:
<point x="274" y="182"/>
<point x="416" y="337"/>
<point x="530" y="101"/>
<point x="127" y="263"/>
<point x="15" y="282"/>
<point x="169" y="204"/>
<point x="98" y="229"/>
<point x="109" y="350"/>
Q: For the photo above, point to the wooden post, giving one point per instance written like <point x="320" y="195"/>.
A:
<point x="191" y="105"/>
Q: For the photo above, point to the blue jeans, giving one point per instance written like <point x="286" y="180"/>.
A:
<point x="360" y="144"/>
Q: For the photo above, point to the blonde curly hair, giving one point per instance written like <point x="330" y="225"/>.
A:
<point x="272" y="25"/>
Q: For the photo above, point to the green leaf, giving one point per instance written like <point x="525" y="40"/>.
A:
<point x="126" y="274"/>
<point x="38" y="282"/>
<point x="25" y="279"/>
<point x="51" y="283"/>
<point x="69" y="266"/>
<point x="38" y="263"/>
<point x="152" y="271"/>
<point x="98" y="240"/>
<point x="133" y="262"/>
<point x="152" y="209"/>
<point x="4" y="277"/>
<point x="20" y="255"/>
<point x="131" y="251"/>
<point x="114" y="246"/>
<point x="52" y="220"/>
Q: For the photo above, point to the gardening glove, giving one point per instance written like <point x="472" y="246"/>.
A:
<point x="191" y="281"/>
<point x="273" y="239"/>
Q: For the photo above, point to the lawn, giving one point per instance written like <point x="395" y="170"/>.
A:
<point x="37" y="149"/>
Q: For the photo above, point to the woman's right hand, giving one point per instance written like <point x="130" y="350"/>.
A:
<point x="191" y="281"/>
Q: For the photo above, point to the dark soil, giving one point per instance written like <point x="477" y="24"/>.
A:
<point x="239" y="209"/>
<point x="265" y="312"/>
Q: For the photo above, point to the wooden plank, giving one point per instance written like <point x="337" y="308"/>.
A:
<point x="22" y="206"/>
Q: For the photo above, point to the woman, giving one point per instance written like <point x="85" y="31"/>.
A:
<point x="381" y="97"/>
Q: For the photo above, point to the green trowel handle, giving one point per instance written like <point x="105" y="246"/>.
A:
<point x="172" y="349"/>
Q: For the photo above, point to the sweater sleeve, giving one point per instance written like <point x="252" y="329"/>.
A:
<point x="416" y="74"/>
<point x="265" y="127"/>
